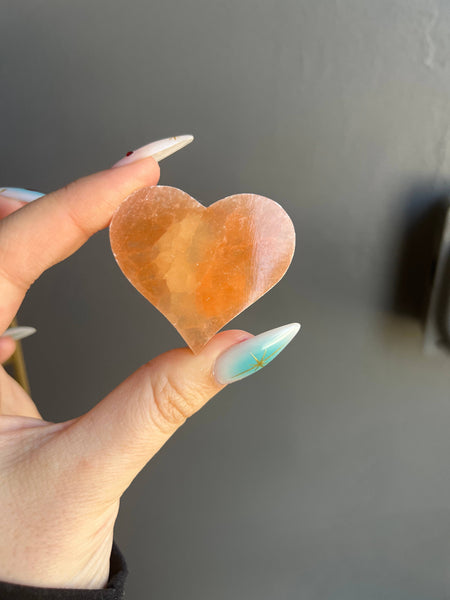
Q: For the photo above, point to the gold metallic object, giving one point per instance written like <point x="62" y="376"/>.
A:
<point x="17" y="364"/>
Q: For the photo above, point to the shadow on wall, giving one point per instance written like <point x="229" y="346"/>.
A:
<point x="443" y="307"/>
<point x="423" y="218"/>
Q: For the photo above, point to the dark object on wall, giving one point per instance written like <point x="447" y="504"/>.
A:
<point x="437" y="330"/>
<point x="419" y="248"/>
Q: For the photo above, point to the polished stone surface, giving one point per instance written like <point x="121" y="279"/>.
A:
<point x="201" y="266"/>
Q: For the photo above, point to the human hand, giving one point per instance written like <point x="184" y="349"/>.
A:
<point x="62" y="482"/>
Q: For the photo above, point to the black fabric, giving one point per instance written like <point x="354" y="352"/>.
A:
<point x="113" y="591"/>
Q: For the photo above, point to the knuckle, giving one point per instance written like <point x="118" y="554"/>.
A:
<point x="17" y="280"/>
<point x="79" y="225"/>
<point x="171" y="406"/>
<point x="72" y="192"/>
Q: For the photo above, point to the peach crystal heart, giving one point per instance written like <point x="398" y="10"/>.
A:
<point x="201" y="266"/>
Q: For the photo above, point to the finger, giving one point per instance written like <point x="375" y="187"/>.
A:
<point x="11" y="199"/>
<point x="9" y="205"/>
<point x="7" y="348"/>
<point x="53" y="227"/>
<point x="14" y="401"/>
<point x="111" y="443"/>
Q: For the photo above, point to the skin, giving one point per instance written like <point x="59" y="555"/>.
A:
<point x="61" y="483"/>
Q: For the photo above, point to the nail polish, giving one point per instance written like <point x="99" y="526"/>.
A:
<point x="158" y="150"/>
<point x="250" y="356"/>
<point x="20" y="194"/>
<point x="19" y="333"/>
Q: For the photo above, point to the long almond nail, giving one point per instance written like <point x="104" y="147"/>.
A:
<point x="20" y="194"/>
<point x="19" y="333"/>
<point x="250" y="356"/>
<point x="158" y="150"/>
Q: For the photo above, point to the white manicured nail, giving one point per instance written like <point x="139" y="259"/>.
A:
<point x="158" y="150"/>
<point x="19" y="333"/>
<point x="20" y="194"/>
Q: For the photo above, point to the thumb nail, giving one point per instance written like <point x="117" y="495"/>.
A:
<point x="253" y="354"/>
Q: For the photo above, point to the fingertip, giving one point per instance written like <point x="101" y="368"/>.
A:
<point x="223" y="340"/>
<point x="7" y="348"/>
<point x="9" y="205"/>
<point x="202" y="364"/>
<point x="146" y="168"/>
<point x="196" y="371"/>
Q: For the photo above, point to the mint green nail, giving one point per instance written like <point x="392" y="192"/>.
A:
<point x="253" y="354"/>
<point x="20" y="194"/>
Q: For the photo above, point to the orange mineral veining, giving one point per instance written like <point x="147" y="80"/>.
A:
<point x="201" y="266"/>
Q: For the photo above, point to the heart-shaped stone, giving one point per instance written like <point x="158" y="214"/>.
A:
<point x="201" y="266"/>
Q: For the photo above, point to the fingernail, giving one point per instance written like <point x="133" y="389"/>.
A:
<point x="20" y="194"/>
<point x="19" y="333"/>
<point x="158" y="150"/>
<point x="250" y="356"/>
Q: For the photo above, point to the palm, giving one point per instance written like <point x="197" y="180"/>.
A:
<point x="48" y="491"/>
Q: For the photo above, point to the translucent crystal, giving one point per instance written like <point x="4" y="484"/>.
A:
<point x="201" y="266"/>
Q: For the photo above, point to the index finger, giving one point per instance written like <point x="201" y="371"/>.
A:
<point x="43" y="233"/>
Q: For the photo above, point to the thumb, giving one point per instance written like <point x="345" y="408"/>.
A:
<point x="112" y="442"/>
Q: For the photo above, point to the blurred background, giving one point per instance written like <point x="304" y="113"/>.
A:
<point x="326" y="475"/>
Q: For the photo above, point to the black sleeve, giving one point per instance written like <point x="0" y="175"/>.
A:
<point x="114" y="589"/>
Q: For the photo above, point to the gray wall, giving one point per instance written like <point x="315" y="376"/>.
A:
<point x="325" y="476"/>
